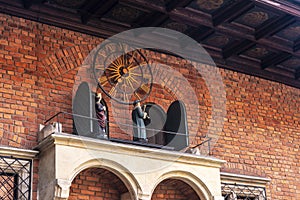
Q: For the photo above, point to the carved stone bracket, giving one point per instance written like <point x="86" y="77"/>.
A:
<point x="62" y="189"/>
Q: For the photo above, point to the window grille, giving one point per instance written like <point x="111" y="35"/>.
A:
<point x="15" y="178"/>
<point x="243" y="192"/>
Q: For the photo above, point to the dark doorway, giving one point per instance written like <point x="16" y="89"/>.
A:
<point x="176" y="128"/>
<point x="155" y="123"/>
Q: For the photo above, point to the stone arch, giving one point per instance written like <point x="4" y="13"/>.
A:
<point x="120" y="171"/>
<point x="188" y="178"/>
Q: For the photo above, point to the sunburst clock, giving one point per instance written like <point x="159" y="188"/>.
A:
<point x="123" y="73"/>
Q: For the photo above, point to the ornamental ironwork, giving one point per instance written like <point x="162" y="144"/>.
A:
<point x="15" y="178"/>
<point x="242" y="192"/>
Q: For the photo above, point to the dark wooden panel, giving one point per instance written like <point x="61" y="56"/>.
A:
<point x="297" y="74"/>
<point x="296" y="46"/>
<point x="275" y="59"/>
<point x="95" y="9"/>
<point x="177" y="4"/>
<point x="274" y="26"/>
<point x="283" y="6"/>
<point x="237" y="48"/>
<point x="231" y="12"/>
<point x="154" y="5"/>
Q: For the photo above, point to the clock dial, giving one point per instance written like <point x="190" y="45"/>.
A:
<point x="122" y="73"/>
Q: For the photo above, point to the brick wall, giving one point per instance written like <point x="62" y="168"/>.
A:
<point x="174" y="190"/>
<point x="100" y="184"/>
<point x="261" y="132"/>
<point x="96" y="184"/>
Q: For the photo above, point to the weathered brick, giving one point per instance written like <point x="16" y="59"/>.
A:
<point x="260" y="135"/>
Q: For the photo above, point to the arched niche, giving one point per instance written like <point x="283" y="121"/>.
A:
<point x="98" y="183"/>
<point x="176" y="127"/>
<point x="194" y="188"/>
<point x="84" y="120"/>
<point x="155" y="124"/>
<point x="174" y="189"/>
<point x="116" y="170"/>
<point x="167" y="129"/>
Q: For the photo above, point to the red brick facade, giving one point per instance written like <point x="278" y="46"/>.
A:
<point x="261" y="133"/>
<point x="97" y="184"/>
<point x="174" y="190"/>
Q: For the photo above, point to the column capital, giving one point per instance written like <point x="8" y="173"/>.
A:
<point x="62" y="189"/>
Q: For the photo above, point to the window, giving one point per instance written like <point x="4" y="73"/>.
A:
<point x="15" y="178"/>
<point x="242" y="192"/>
<point x="243" y="187"/>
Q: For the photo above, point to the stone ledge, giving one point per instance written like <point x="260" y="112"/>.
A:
<point x="19" y="153"/>
<point x="65" y="139"/>
<point x="244" y="179"/>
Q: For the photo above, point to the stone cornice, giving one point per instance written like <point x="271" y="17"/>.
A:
<point x="63" y="139"/>
<point x="17" y="152"/>
<point x="244" y="179"/>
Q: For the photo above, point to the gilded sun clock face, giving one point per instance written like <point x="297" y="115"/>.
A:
<point x="122" y="73"/>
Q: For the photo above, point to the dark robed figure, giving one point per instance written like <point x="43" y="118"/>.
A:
<point x="139" y="129"/>
<point x="101" y="116"/>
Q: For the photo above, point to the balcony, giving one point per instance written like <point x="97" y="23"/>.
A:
<point x="140" y="168"/>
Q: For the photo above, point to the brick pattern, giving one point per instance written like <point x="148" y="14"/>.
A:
<point x="96" y="184"/>
<point x="261" y="133"/>
<point x="262" y="125"/>
<point x="28" y="88"/>
<point x="174" y="190"/>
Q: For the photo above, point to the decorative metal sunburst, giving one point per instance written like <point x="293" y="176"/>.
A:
<point x="122" y="73"/>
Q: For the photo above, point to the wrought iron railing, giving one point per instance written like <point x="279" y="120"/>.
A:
<point x="191" y="148"/>
<point x="242" y="192"/>
<point x="15" y="178"/>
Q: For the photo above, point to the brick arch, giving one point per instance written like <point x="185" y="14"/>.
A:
<point x="64" y="60"/>
<point x="162" y="96"/>
<point x="242" y="169"/>
<point x="193" y="187"/>
<point x="174" y="83"/>
<point x="174" y="189"/>
<point x="119" y="171"/>
<point x="93" y="183"/>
